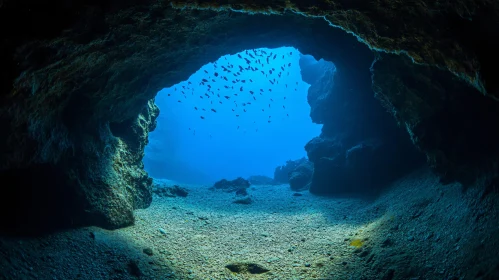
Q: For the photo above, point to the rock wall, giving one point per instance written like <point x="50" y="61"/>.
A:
<point x="360" y="149"/>
<point x="78" y="76"/>
<point x="445" y="117"/>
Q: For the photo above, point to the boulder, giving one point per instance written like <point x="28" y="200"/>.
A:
<point x="300" y="178"/>
<point x="237" y="186"/>
<point x="170" y="191"/>
<point x="281" y="173"/>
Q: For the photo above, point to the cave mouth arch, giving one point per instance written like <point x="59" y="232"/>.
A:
<point x="130" y="75"/>
<point x="239" y="116"/>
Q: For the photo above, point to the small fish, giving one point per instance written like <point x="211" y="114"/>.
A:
<point x="203" y="109"/>
<point x="283" y="106"/>
<point x="244" y="110"/>
<point x="237" y="115"/>
<point x="206" y="71"/>
<point x="220" y="102"/>
<point x="237" y="127"/>
<point x="241" y="89"/>
<point x="216" y="74"/>
<point x="195" y="108"/>
<point x="214" y="111"/>
<point x="204" y="80"/>
<point x="202" y="117"/>
<point x="179" y="101"/>
<point x="269" y="121"/>
<point x="227" y="97"/>
<point x="271" y="99"/>
<point x="289" y="64"/>
<point x="169" y="94"/>
<point x="254" y="98"/>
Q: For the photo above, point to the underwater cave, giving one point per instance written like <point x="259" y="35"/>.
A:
<point x="124" y="156"/>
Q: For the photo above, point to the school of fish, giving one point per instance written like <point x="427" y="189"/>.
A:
<point x="253" y="60"/>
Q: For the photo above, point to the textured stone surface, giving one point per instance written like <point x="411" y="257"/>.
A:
<point x="301" y="177"/>
<point x="77" y="75"/>
<point x="445" y="117"/>
<point x="360" y="148"/>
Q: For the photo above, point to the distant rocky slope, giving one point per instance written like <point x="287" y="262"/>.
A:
<point x="78" y="79"/>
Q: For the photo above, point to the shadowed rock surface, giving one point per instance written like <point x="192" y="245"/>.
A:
<point x="301" y="177"/>
<point x="360" y="148"/>
<point x="78" y="79"/>
<point x="237" y="186"/>
<point x="281" y="173"/>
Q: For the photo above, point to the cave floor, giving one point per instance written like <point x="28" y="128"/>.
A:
<point x="417" y="229"/>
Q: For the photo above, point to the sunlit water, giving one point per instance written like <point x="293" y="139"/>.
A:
<point x="220" y="124"/>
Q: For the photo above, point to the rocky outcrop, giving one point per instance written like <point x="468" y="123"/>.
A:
<point x="296" y="173"/>
<point x="360" y="148"/>
<point x="162" y="189"/>
<point x="75" y="91"/>
<point x="281" y="173"/>
<point x="301" y="177"/>
<point x="445" y="117"/>
<point x="237" y="186"/>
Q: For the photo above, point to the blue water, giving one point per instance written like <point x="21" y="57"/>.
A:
<point x="270" y="129"/>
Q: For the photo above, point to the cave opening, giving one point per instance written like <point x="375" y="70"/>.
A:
<point x="243" y="115"/>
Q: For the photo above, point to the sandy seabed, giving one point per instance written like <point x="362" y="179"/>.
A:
<point x="416" y="229"/>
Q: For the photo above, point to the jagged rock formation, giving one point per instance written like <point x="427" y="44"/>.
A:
<point x="77" y="78"/>
<point x="360" y="148"/>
